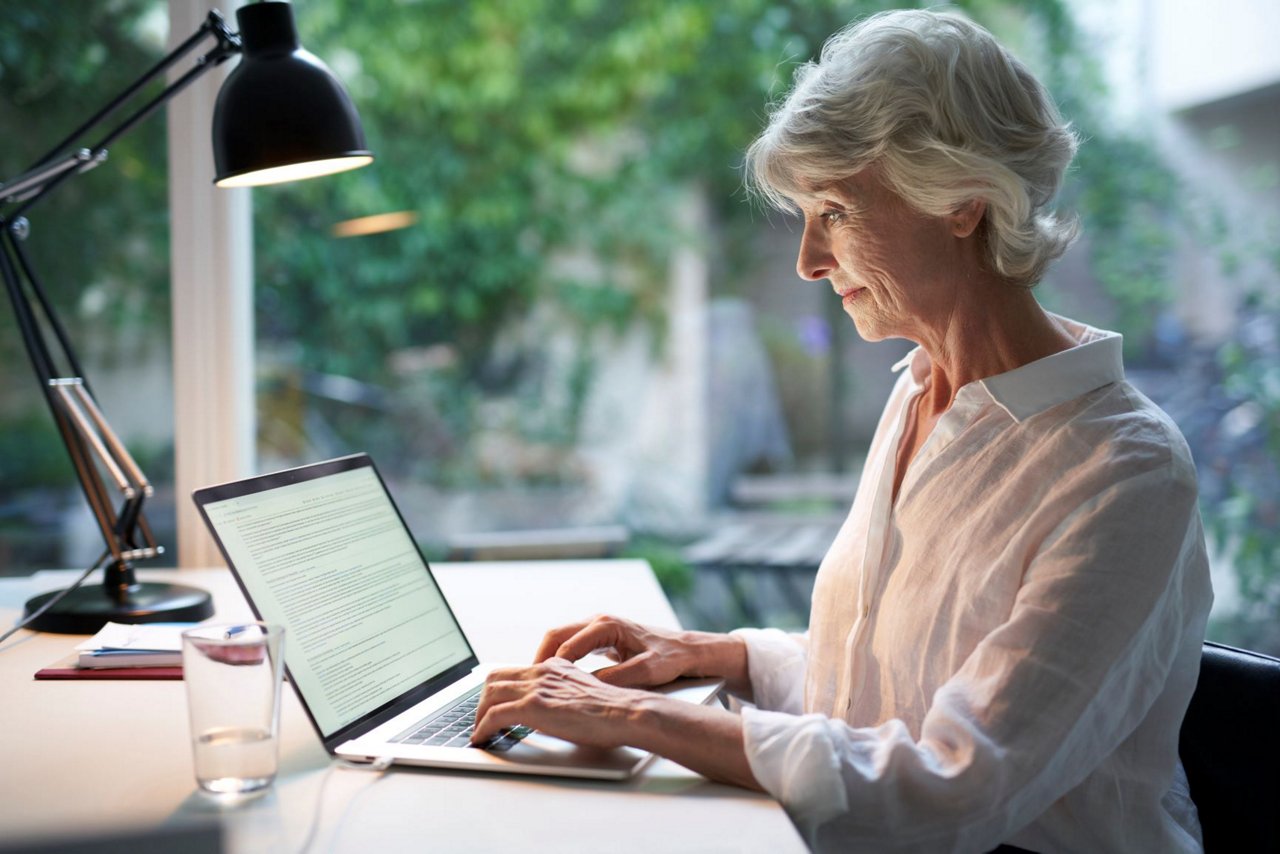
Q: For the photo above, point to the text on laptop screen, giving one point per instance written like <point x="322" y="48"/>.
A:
<point x="330" y="559"/>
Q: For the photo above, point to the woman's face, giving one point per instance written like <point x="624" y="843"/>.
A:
<point x="898" y="272"/>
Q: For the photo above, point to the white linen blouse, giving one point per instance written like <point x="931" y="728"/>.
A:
<point x="1005" y="654"/>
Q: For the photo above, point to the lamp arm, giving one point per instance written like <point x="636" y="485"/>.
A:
<point x="46" y="174"/>
<point x="323" y="125"/>
<point x="80" y="407"/>
<point x="89" y="439"/>
<point x="91" y="443"/>
<point x="41" y="357"/>
<point x="30" y="182"/>
<point x="214" y="24"/>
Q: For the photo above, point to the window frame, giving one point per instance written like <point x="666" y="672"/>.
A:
<point x="211" y="276"/>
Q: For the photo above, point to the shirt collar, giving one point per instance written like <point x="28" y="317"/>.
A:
<point x="1095" y="361"/>
<point x="906" y="360"/>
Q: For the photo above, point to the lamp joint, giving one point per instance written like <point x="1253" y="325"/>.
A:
<point x="141" y="554"/>
<point x="228" y="41"/>
<point x="91" y="159"/>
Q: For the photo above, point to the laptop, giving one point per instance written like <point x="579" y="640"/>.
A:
<point x="372" y="648"/>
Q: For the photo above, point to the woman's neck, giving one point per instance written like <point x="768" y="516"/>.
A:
<point x="1001" y="327"/>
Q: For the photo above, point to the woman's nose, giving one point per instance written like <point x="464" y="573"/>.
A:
<point x="815" y="260"/>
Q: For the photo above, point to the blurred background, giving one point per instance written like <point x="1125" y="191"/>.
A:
<point x="553" y="318"/>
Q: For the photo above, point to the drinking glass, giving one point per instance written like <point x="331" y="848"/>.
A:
<point x="233" y="675"/>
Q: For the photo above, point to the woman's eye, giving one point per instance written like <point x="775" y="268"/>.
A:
<point x="833" y="217"/>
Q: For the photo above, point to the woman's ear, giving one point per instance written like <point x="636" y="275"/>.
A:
<point x="966" y="217"/>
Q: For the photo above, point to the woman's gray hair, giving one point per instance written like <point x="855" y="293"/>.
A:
<point x="947" y="114"/>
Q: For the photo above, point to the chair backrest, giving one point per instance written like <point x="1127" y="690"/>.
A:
<point x="1230" y="748"/>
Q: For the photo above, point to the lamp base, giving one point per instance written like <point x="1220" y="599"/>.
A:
<point x="87" y="609"/>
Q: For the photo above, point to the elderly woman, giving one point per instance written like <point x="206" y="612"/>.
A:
<point x="1006" y="633"/>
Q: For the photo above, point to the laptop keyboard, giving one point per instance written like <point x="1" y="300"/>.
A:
<point x="453" y="727"/>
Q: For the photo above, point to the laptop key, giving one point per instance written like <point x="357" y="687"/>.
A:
<point x="452" y="725"/>
<point x="506" y="739"/>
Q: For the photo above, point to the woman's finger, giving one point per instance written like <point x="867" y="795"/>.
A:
<point x="553" y="639"/>
<point x="494" y="719"/>
<point x="497" y="692"/>
<point x="635" y="672"/>
<point x="600" y="633"/>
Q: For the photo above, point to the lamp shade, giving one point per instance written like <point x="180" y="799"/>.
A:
<point x="281" y="115"/>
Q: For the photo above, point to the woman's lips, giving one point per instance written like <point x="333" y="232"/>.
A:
<point x="851" y="294"/>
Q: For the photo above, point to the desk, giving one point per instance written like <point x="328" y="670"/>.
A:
<point x="88" y="757"/>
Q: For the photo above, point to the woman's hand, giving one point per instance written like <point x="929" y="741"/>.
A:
<point x="559" y="699"/>
<point x="647" y="656"/>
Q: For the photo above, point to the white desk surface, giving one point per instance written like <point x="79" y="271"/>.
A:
<point x="84" y="757"/>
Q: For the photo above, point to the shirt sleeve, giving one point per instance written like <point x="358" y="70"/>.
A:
<point x="1107" y="605"/>
<point x="776" y="666"/>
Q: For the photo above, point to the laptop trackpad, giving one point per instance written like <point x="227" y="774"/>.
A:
<point x="546" y="750"/>
<point x="541" y="749"/>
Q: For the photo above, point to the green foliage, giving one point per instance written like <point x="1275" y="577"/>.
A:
<point x="525" y="136"/>
<point x="544" y="147"/>
<point x="672" y="571"/>
<point x="519" y="133"/>
<point x="525" y="133"/>
<point x="1128" y="199"/>
<point x="56" y="69"/>
<point x="32" y="455"/>
<point x="1246" y="520"/>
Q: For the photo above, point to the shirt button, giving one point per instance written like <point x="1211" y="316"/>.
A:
<point x="866" y="611"/>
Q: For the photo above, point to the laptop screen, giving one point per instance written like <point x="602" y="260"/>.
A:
<point x="329" y="558"/>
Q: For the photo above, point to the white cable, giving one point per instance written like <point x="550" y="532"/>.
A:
<point x="56" y="599"/>
<point x="378" y="766"/>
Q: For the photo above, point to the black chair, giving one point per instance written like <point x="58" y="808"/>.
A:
<point x="1230" y="747"/>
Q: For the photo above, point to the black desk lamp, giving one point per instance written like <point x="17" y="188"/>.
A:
<point x="280" y="116"/>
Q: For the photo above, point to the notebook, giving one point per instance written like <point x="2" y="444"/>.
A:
<point x="372" y="647"/>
